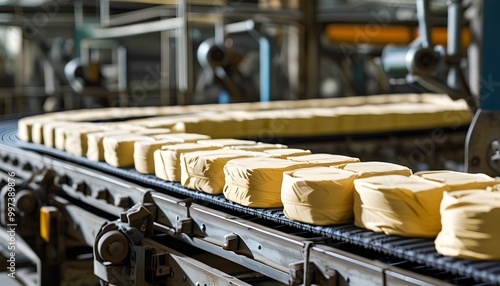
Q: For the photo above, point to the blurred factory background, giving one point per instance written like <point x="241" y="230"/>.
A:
<point x="61" y="55"/>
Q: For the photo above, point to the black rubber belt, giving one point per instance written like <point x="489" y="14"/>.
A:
<point x="417" y="250"/>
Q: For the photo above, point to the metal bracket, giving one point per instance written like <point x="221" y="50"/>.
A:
<point x="300" y="272"/>
<point x="184" y="225"/>
<point x="305" y="272"/>
<point x="160" y="264"/>
<point x="231" y="242"/>
<point x="139" y="218"/>
<point x="481" y="147"/>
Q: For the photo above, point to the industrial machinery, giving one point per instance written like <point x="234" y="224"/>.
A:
<point x="68" y="221"/>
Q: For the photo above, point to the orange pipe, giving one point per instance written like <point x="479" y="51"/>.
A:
<point x="383" y="35"/>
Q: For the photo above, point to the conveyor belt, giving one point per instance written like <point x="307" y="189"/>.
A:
<point x="417" y="250"/>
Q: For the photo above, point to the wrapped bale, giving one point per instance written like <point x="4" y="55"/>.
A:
<point x="152" y="131"/>
<point x="203" y="170"/>
<point x="283" y="153"/>
<point x="226" y="142"/>
<point x="256" y="182"/>
<point x="183" y="137"/>
<point x="167" y="159"/>
<point x="323" y="159"/>
<point x="259" y="147"/>
<point x="76" y="142"/>
<point x="61" y="132"/>
<point x="48" y="131"/>
<point x="95" y="145"/>
<point x="144" y="154"/>
<point x="25" y="127"/>
<point x="398" y="205"/>
<point x="318" y="195"/>
<point x="119" y="149"/>
<point x="458" y="180"/>
<point x="470" y="225"/>
<point x="370" y="169"/>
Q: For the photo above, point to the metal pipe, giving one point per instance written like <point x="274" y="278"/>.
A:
<point x="265" y="68"/>
<point x="182" y="39"/>
<point x="454" y="41"/>
<point x="138" y="29"/>
<point x="104" y="13"/>
<point x="424" y="24"/>
<point x="240" y="27"/>
<point x="165" y="68"/>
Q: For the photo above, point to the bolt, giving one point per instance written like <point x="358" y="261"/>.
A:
<point x="203" y="227"/>
<point x="116" y="248"/>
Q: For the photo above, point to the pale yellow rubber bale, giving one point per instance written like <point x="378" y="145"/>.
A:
<point x="167" y="159"/>
<point x="60" y="133"/>
<point x="326" y="121"/>
<point x="220" y="125"/>
<point x="152" y="131"/>
<point x="370" y="169"/>
<point x="318" y="195"/>
<point x="256" y="182"/>
<point x="203" y="170"/>
<point x="183" y="137"/>
<point x="398" y="205"/>
<point x="76" y="142"/>
<point x="418" y="116"/>
<point x="470" y="225"/>
<point x="48" y="130"/>
<point x="25" y="125"/>
<point x="159" y="122"/>
<point x="283" y="153"/>
<point x="364" y="119"/>
<point x="459" y="180"/>
<point x="226" y="142"/>
<point x="259" y="147"/>
<point x="256" y="124"/>
<point x="95" y="146"/>
<point x="119" y="149"/>
<point x="128" y="127"/>
<point x="322" y="159"/>
<point x="37" y="132"/>
<point x="144" y="154"/>
<point x="291" y="122"/>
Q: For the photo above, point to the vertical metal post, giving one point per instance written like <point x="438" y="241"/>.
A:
<point x="295" y="60"/>
<point x="265" y="68"/>
<point x="104" y="13"/>
<point x="312" y="48"/>
<point x="182" y="54"/>
<point x="121" y="61"/>
<point x="18" y="78"/>
<point x="490" y="70"/>
<point x="423" y="13"/>
<point x="165" y="69"/>
<point x="454" y="40"/>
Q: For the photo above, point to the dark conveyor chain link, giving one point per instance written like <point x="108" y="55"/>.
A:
<point x="417" y="250"/>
